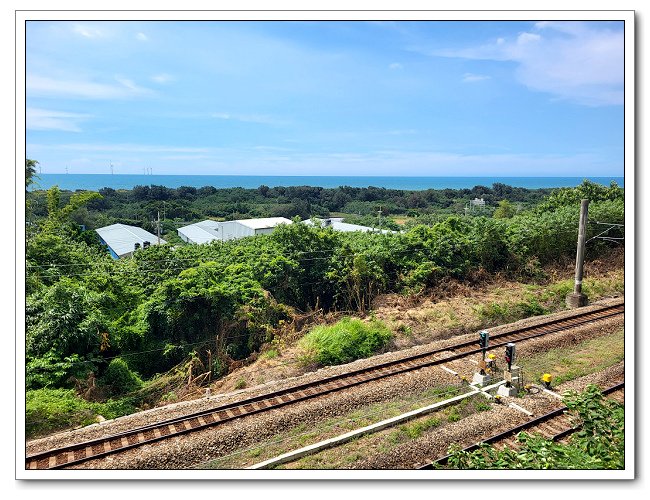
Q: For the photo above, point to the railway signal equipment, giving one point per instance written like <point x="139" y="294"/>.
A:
<point x="546" y="378"/>
<point x="483" y="340"/>
<point x="510" y="354"/>
<point x="492" y="363"/>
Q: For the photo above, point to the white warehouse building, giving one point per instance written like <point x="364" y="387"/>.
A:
<point x="123" y="240"/>
<point x="337" y="224"/>
<point x="235" y="229"/>
<point x="200" y="232"/>
<point x="209" y="230"/>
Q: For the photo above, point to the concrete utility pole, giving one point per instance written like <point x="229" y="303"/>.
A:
<point x="577" y="298"/>
<point x="158" y="227"/>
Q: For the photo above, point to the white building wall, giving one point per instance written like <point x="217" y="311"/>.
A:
<point x="183" y="236"/>
<point x="233" y="230"/>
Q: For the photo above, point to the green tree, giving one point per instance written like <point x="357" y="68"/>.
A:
<point x="504" y="210"/>
<point x="30" y="171"/>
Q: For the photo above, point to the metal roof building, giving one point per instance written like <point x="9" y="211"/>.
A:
<point x="121" y="239"/>
<point x="338" y="225"/>
<point x="201" y="232"/>
<point x="210" y="230"/>
<point x="235" y="229"/>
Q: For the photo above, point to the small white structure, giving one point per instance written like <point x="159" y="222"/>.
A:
<point x="123" y="240"/>
<point x="235" y="229"/>
<point x="201" y="232"/>
<point x="477" y="202"/>
<point x="338" y="225"/>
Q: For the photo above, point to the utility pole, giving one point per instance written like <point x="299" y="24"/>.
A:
<point x="379" y="218"/>
<point x="159" y="227"/>
<point x="577" y="298"/>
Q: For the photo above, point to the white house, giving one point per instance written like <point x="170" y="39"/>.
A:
<point x="123" y="240"/>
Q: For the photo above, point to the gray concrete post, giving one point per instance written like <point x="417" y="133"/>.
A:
<point x="577" y="298"/>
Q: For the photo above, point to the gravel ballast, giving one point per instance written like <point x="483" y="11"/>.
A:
<point x="199" y="447"/>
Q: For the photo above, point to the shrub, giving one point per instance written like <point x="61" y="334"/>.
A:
<point x="48" y="410"/>
<point x="598" y="444"/>
<point x="120" y="378"/>
<point x="345" y="341"/>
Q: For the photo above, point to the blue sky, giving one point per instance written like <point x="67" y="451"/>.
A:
<point x="326" y="98"/>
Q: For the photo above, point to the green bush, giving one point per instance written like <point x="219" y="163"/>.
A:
<point x="345" y="341"/>
<point x="598" y="444"/>
<point x="120" y="378"/>
<point x="48" y="410"/>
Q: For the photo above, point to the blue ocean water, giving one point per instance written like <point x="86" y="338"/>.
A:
<point x="94" y="182"/>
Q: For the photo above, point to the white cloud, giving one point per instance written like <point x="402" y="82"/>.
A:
<point x="254" y="161"/>
<point x="573" y="61"/>
<point x="50" y="87"/>
<point x="88" y="31"/>
<point x="471" y="78"/>
<point x="528" y="38"/>
<point x="162" y="78"/>
<point x="45" y="119"/>
<point x="395" y="66"/>
<point x="142" y="37"/>
<point x="263" y="119"/>
<point x="130" y="148"/>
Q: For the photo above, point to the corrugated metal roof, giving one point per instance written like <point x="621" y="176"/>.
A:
<point x="346" y="227"/>
<point x="264" y="223"/>
<point x="122" y="238"/>
<point x="201" y="232"/>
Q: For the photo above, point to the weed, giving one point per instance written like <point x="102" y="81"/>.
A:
<point x="482" y="406"/>
<point x="240" y="384"/>
<point x="270" y="354"/>
<point x="405" y="329"/>
<point x="169" y="397"/>
<point x="454" y="415"/>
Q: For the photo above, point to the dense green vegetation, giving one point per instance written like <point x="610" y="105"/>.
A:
<point x="345" y="341"/>
<point x="599" y="444"/>
<point x="183" y="205"/>
<point x="54" y="409"/>
<point x="125" y="321"/>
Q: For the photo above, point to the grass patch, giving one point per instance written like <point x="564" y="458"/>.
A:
<point x="50" y="410"/>
<point x="345" y="341"/>
<point x="270" y="354"/>
<point x="495" y="313"/>
<point x="569" y="363"/>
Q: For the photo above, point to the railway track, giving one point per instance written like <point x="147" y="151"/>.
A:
<point x="66" y="456"/>
<point x="554" y="425"/>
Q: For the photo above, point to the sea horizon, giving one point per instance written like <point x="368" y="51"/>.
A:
<point x="94" y="182"/>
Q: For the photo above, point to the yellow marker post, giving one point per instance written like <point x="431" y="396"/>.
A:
<point x="546" y="378"/>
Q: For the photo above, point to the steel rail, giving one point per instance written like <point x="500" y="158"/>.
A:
<point x="513" y="431"/>
<point x="98" y="448"/>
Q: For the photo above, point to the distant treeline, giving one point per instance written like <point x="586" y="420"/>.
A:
<point x="141" y="204"/>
